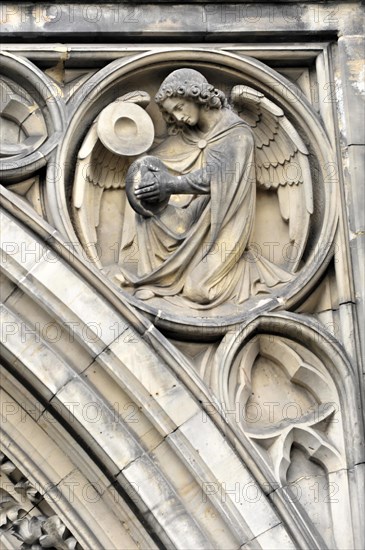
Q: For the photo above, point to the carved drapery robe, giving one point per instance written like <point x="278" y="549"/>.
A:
<point x="197" y="247"/>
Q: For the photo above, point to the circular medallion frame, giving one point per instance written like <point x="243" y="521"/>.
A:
<point x="48" y="97"/>
<point x="105" y="86"/>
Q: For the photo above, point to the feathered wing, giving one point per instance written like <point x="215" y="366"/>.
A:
<point x="281" y="163"/>
<point x="98" y="169"/>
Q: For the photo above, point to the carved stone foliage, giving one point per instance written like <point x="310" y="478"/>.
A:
<point x="28" y="522"/>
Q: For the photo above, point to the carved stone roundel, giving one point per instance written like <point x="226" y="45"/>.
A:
<point x="251" y="216"/>
<point x="32" y="118"/>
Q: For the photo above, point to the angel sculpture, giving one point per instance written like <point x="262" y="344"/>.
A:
<point x="191" y="207"/>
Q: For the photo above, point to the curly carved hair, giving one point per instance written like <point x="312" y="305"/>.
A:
<point x="192" y="85"/>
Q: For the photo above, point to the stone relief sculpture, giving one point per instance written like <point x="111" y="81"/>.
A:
<point x="22" y="121"/>
<point x="191" y="213"/>
<point x="189" y="170"/>
<point x="27" y="521"/>
<point x="32" y="122"/>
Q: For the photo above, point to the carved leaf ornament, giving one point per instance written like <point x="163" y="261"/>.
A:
<point x="21" y="513"/>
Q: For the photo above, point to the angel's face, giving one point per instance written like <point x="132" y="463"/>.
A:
<point x="182" y="110"/>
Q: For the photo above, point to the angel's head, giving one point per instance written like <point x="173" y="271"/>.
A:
<point x="183" y="94"/>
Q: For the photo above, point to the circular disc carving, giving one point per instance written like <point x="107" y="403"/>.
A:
<point x="125" y="129"/>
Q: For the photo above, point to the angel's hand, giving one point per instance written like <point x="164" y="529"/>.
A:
<point x="155" y="186"/>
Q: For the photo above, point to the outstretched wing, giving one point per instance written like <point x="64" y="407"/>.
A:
<point x="281" y="163"/>
<point x="98" y="169"/>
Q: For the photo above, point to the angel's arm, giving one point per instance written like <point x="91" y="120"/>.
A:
<point x="158" y="184"/>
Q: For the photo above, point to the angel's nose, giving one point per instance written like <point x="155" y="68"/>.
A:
<point x="178" y="116"/>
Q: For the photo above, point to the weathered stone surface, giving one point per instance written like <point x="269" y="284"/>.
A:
<point x="351" y="58"/>
<point x="44" y="366"/>
<point x="165" y="20"/>
<point x="137" y="411"/>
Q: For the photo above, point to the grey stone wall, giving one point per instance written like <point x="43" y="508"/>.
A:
<point x="132" y="426"/>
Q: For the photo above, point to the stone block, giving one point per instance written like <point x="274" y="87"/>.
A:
<point x="35" y="361"/>
<point x="125" y="407"/>
<point x="7" y="287"/>
<point x="355" y="189"/>
<point x="20" y="252"/>
<point x="228" y="472"/>
<point x="163" y="502"/>
<point x="108" y="437"/>
<point x="351" y="60"/>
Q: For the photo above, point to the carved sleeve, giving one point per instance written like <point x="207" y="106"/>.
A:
<point x="195" y="183"/>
